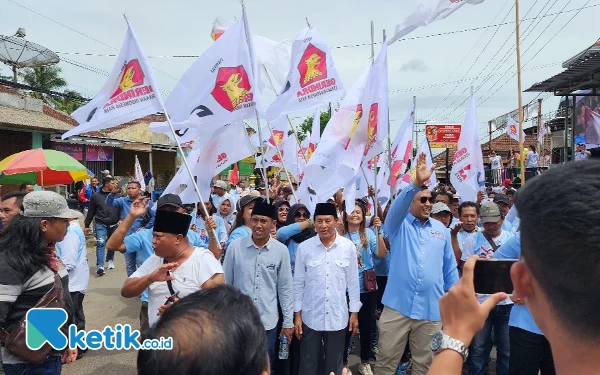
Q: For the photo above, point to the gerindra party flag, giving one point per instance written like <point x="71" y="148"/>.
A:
<point x="219" y="88"/>
<point x="312" y="80"/>
<point x="468" y="176"/>
<point x="427" y="12"/>
<point x="130" y="92"/>
<point x="512" y="129"/>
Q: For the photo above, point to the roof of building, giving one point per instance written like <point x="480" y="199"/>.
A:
<point x="579" y="74"/>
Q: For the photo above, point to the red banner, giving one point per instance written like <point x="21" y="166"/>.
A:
<point x="443" y="136"/>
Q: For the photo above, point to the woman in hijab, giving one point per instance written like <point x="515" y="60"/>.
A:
<point x="283" y="208"/>
<point x="149" y="180"/>
<point x="299" y="228"/>
<point x="241" y="226"/>
<point x="227" y="213"/>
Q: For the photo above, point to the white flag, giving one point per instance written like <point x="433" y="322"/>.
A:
<point x="219" y="88"/>
<point x="129" y="93"/>
<point x="312" y="80"/>
<point x="228" y="147"/>
<point x="377" y="98"/>
<point x="427" y="12"/>
<point x="182" y="181"/>
<point x="138" y="174"/>
<point x="326" y="161"/>
<point x="432" y="182"/>
<point x="468" y="176"/>
<point x="512" y="129"/>
<point x="544" y="130"/>
<point x="401" y="155"/>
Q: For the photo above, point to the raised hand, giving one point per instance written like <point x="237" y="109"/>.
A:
<point x="162" y="273"/>
<point x="139" y="207"/>
<point x="422" y="172"/>
<point x="454" y="231"/>
<point x="376" y="222"/>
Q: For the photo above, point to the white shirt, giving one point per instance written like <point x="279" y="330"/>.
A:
<point x="495" y="160"/>
<point x="189" y="277"/>
<point x="322" y="276"/>
<point x="71" y="250"/>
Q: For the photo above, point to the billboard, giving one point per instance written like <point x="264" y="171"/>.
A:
<point x="443" y="135"/>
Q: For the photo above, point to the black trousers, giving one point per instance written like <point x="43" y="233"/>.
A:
<point x="310" y="351"/>
<point x="144" y="322"/>
<point x="381" y="284"/>
<point x="78" y="315"/>
<point x="366" y="320"/>
<point x="530" y="353"/>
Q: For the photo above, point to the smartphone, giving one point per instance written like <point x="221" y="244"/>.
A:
<point x="493" y="276"/>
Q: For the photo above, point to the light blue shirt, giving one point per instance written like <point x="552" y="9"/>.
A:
<point x="284" y="234"/>
<point x="141" y="243"/>
<point x="237" y="233"/>
<point x="264" y="275"/>
<point x="124" y="205"/>
<point x="520" y="316"/>
<point x="422" y="260"/>
<point x="532" y="159"/>
<point x="364" y="255"/>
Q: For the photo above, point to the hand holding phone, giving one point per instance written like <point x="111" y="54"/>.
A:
<point x="493" y="276"/>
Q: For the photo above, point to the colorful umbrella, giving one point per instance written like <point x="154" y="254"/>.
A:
<point x="43" y="167"/>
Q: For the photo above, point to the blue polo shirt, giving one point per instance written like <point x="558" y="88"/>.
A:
<point x="422" y="260"/>
<point x="124" y="205"/>
<point x="520" y="316"/>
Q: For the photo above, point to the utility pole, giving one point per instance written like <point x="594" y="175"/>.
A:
<point x="539" y="128"/>
<point x="418" y="131"/>
<point x="490" y="139"/>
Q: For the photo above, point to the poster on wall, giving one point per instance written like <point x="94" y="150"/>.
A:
<point x="93" y="153"/>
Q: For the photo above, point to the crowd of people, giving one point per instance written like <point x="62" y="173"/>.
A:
<point x="264" y="286"/>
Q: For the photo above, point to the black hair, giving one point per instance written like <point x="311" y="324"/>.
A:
<point x="24" y="185"/>
<point x="135" y="182"/>
<point x="213" y="209"/>
<point x="18" y="195"/>
<point x="448" y="194"/>
<point x="532" y="147"/>
<point x="214" y="331"/>
<point x="23" y="244"/>
<point x="106" y="180"/>
<point x="560" y="243"/>
<point x="468" y="204"/>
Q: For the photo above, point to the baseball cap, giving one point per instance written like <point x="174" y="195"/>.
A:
<point x="501" y="198"/>
<point x="507" y="182"/>
<point x="169" y="199"/>
<point x="490" y="213"/>
<point x="244" y="201"/>
<point x="105" y="171"/>
<point x="220" y="184"/>
<point x="48" y="204"/>
<point x="440" y="207"/>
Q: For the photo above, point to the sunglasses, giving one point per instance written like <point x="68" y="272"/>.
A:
<point x="302" y="214"/>
<point x="424" y="200"/>
<point x="283" y="209"/>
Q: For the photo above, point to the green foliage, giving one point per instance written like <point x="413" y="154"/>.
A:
<point x="45" y="78"/>
<point x="306" y="126"/>
<point x="67" y="105"/>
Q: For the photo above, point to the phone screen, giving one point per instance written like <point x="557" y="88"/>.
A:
<point x="493" y="276"/>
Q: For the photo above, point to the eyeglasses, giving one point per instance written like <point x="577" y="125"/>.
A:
<point x="283" y="209"/>
<point x="424" y="200"/>
<point x="302" y="214"/>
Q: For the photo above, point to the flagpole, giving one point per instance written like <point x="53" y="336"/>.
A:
<point x="280" y="158"/>
<point x="517" y="33"/>
<point x="375" y="201"/>
<point x="180" y="149"/>
<point x="248" y="36"/>
<point x="287" y="116"/>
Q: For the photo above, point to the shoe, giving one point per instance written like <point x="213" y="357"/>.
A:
<point x="365" y="369"/>
<point x="111" y="265"/>
<point x="100" y="271"/>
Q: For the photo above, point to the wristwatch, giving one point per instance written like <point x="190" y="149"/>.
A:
<point x="441" y="341"/>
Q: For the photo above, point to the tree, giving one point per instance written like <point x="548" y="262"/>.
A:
<point x="44" y="78"/>
<point x="68" y="104"/>
<point x="306" y="126"/>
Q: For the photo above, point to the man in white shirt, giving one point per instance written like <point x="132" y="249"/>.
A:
<point x="176" y="269"/>
<point x="496" y="166"/>
<point x="326" y="267"/>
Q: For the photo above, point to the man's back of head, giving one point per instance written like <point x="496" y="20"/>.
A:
<point x="215" y="331"/>
<point x="561" y="248"/>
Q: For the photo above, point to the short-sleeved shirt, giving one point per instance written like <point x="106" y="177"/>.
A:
<point x="203" y="232"/>
<point x="479" y="245"/>
<point x="532" y="159"/>
<point x="364" y="254"/>
<point x="495" y="160"/>
<point x="189" y="277"/>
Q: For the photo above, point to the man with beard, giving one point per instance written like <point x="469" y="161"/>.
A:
<point x="424" y="266"/>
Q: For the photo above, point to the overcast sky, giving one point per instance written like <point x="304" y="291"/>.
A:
<point x="183" y="28"/>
